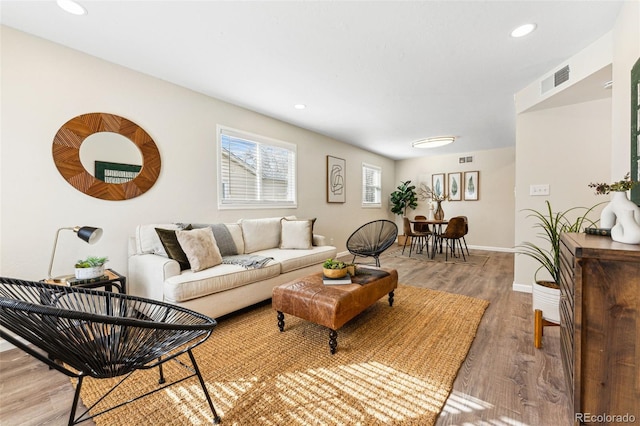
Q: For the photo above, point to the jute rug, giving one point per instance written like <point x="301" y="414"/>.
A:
<point x="471" y="259"/>
<point x="394" y="366"/>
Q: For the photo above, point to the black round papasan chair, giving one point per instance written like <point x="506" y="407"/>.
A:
<point x="372" y="238"/>
<point x="82" y="332"/>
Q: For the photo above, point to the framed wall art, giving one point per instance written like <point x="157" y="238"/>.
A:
<point x="336" y="180"/>
<point x="455" y="186"/>
<point x="471" y="185"/>
<point x="438" y="185"/>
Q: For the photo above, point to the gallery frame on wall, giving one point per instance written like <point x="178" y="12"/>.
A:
<point x="455" y="186"/>
<point x="438" y="185"/>
<point x="471" y="185"/>
<point x="336" y="180"/>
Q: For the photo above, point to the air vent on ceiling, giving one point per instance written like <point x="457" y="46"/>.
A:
<point x="559" y="77"/>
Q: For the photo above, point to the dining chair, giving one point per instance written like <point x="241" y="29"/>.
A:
<point x="466" y="231"/>
<point x="418" y="239"/>
<point x="452" y="234"/>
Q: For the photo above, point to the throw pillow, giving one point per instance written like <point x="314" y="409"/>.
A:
<point x="260" y="234"/>
<point x="296" y="234"/>
<point x="200" y="247"/>
<point x="171" y="245"/>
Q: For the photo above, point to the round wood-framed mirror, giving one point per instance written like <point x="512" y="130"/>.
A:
<point x="66" y="155"/>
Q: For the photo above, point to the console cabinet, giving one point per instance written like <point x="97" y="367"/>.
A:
<point x="600" y="327"/>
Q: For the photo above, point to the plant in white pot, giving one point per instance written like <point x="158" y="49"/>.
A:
<point x="621" y="215"/>
<point x="545" y="292"/>
<point x="91" y="267"/>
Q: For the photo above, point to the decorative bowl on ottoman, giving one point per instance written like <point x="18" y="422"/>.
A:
<point x="334" y="268"/>
<point x="91" y="267"/>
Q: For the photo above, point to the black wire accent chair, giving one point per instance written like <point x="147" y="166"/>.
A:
<point x="82" y="332"/>
<point x="372" y="238"/>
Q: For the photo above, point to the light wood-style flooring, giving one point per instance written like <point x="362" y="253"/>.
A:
<point x="504" y="381"/>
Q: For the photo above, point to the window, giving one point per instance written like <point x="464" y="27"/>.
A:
<point x="255" y="171"/>
<point x="371" y="185"/>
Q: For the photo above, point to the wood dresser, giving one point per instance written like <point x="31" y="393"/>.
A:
<point x="600" y="328"/>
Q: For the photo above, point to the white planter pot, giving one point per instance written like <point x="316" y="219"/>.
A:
<point x="623" y="217"/>
<point x="547" y="299"/>
<point x="86" y="273"/>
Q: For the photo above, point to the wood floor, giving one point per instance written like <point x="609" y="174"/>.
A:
<point x="504" y="381"/>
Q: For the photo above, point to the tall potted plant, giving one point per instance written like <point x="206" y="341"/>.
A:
<point x="546" y="293"/>
<point x="403" y="198"/>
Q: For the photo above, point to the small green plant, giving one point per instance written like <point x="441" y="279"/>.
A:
<point x="91" y="262"/>
<point x="333" y="264"/>
<point x="620" y="186"/>
<point x="552" y="225"/>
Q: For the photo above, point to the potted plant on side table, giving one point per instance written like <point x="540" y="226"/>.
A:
<point x="545" y="292"/>
<point x="403" y="198"/>
<point x="91" y="267"/>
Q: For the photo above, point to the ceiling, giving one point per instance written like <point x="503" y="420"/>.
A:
<point x="376" y="74"/>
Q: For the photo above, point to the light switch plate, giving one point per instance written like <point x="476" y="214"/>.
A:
<point x="537" y="190"/>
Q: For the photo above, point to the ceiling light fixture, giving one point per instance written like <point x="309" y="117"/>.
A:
<point x="608" y="84"/>
<point x="523" y="30"/>
<point x="433" y="142"/>
<point x="299" y="106"/>
<point x="72" y="7"/>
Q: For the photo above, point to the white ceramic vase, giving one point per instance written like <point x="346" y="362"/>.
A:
<point x="623" y="217"/>
<point x="87" y="273"/>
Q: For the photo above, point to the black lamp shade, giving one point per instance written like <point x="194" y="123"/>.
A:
<point x="89" y="234"/>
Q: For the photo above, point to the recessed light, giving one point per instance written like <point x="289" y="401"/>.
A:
<point x="72" y="7"/>
<point x="523" y="30"/>
<point x="299" y="106"/>
<point x="433" y="142"/>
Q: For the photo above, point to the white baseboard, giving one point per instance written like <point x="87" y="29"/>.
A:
<point x="524" y="288"/>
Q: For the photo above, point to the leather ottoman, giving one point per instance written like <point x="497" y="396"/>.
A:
<point x="333" y="305"/>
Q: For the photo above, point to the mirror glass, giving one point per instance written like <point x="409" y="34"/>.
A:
<point x="110" y="157"/>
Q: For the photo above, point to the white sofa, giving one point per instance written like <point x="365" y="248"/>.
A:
<point x="224" y="288"/>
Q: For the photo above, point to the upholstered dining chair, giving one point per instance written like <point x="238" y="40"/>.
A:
<point x="419" y="240"/>
<point x="372" y="238"/>
<point x="89" y="333"/>
<point x="452" y="235"/>
<point x="421" y="227"/>
<point x="466" y="231"/>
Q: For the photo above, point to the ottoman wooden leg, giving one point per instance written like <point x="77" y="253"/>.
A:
<point x="281" y="321"/>
<point x="391" y="298"/>
<point x="333" y="341"/>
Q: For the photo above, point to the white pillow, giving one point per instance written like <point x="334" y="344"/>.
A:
<point x="200" y="247"/>
<point x="260" y="234"/>
<point x="296" y="234"/>
<point x="147" y="240"/>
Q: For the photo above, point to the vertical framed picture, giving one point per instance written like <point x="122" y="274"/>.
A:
<point x="336" y="180"/>
<point x="455" y="186"/>
<point x="438" y="185"/>
<point x="471" y="186"/>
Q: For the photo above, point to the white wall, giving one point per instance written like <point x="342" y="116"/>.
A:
<point x="496" y="199"/>
<point x="569" y="147"/>
<point x="566" y="147"/>
<point x="44" y="85"/>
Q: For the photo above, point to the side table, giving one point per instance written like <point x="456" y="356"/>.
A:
<point x="113" y="279"/>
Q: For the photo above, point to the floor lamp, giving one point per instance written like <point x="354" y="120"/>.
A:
<point x="88" y="234"/>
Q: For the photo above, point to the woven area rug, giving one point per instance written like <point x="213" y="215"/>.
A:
<point x="470" y="259"/>
<point x="393" y="366"/>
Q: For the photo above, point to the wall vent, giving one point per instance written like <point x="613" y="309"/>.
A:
<point x="559" y="77"/>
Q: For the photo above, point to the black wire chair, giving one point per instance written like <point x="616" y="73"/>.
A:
<point x="372" y="238"/>
<point x="82" y="332"/>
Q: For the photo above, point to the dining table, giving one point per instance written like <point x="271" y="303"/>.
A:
<point x="437" y="223"/>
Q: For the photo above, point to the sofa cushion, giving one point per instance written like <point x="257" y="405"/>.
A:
<point x="296" y="234"/>
<point x="191" y="285"/>
<point x="171" y="245"/>
<point x="290" y="260"/>
<point x="260" y="234"/>
<point x="200" y="247"/>
<point x="224" y="238"/>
